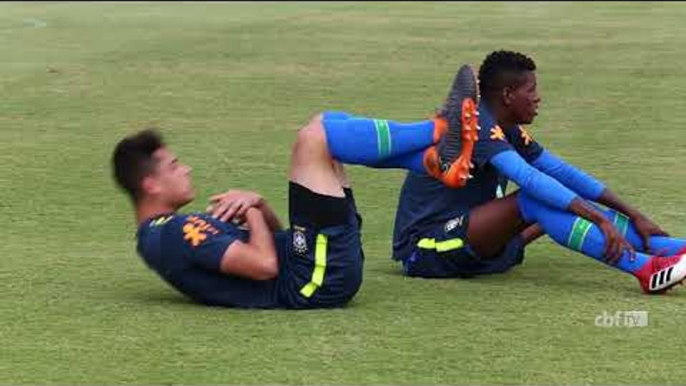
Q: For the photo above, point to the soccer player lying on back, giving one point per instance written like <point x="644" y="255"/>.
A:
<point x="317" y="262"/>
<point x="467" y="230"/>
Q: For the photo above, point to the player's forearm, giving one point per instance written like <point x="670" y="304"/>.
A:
<point x="574" y="178"/>
<point x="261" y="237"/>
<point x="581" y="208"/>
<point x="612" y="201"/>
<point x="532" y="181"/>
<point x="270" y="217"/>
<point x="582" y="183"/>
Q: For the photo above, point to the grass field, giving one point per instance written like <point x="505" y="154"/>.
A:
<point x="230" y="84"/>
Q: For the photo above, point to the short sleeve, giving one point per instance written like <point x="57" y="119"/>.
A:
<point x="200" y="241"/>
<point x="492" y="141"/>
<point x="524" y="143"/>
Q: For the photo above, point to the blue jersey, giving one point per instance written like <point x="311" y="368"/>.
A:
<point x="187" y="250"/>
<point x="426" y="202"/>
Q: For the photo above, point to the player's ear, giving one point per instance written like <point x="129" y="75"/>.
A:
<point x="150" y="185"/>
<point x="507" y="95"/>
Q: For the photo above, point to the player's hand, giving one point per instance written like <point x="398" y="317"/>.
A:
<point x="615" y="243"/>
<point x="233" y="204"/>
<point x="646" y="228"/>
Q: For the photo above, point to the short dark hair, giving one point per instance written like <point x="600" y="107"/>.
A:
<point x="501" y="69"/>
<point x="132" y="160"/>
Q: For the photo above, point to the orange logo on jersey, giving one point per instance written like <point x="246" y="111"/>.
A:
<point x="497" y="133"/>
<point x="526" y="136"/>
<point x="193" y="234"/>
<point x="196" y="229"/>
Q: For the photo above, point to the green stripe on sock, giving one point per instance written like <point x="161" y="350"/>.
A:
<point x="383" y="136"/>
<point x="579" y="231"/>
<point x="621" y="222"/>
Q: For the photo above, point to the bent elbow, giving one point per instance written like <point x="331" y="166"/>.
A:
<point x="270" y="268"/>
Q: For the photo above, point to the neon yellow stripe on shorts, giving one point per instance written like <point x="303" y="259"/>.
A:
<point x="441" y="246"/>
<point x="319" y="267"/>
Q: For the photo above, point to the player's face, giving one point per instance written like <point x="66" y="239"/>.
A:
<point x="524" y="100"/>
<point x="172" y="179"/>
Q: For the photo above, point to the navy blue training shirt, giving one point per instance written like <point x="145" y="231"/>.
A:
<point x="426" y="202"/>
<point x="186" y="251"/>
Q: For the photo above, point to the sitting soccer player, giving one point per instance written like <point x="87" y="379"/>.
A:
<point x="317" y="263"/>
<point x="467" y="229"/>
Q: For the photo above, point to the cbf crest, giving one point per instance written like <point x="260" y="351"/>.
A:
<point x="299" y="240"/>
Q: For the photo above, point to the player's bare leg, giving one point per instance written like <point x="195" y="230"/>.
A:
<point x="532" y="233"/>
<point x="494" y="224"/>
<point x="341" y="174"/>
<point x="311" y="162"/>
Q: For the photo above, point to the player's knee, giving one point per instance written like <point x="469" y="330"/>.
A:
<point x="317" y="119"/>
<point x="312" y="135"/>
<point x="269" y="269"/>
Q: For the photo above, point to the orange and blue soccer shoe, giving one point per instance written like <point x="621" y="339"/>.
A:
<point x="450" y="161"/>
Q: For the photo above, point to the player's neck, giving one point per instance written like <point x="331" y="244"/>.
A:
<point x="501" y="115"/>
<point x="147" y="209"/>
<point x="505" y="120"/>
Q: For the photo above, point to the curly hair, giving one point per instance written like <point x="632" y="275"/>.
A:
<point x="501" y="69"/>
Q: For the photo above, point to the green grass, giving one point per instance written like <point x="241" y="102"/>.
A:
<point x="230" y="84"/>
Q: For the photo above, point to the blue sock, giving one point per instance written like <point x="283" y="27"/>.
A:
<point x="666" y="246"/>
<point x="575" y="233"/>
<point x="376" y="142"/>
<point x="337" y="116"/>
<point x="411" y="161"/>
<point x="663" y="246"/>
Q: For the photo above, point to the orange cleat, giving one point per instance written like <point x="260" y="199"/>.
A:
<point x="450" y="161"/>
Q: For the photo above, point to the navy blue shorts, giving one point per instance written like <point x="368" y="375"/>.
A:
<point x="444" y="252"/>
<point x="321" y="266"/>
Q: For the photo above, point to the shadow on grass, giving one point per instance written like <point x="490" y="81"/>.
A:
<point x="173" y="299"/>
<point x="162" y="298"/>
<point x="527" y="277"/>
